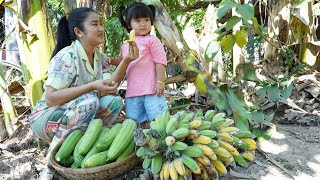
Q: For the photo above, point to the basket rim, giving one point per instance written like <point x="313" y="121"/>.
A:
<point x="81" y="171"/>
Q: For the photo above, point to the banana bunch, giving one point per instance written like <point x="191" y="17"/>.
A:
<point x="198" y="143"/>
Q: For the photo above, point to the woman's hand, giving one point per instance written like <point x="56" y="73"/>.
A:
<point x="133" y="53"/>
<point x="107" y="62"/>
<point x="105" y="86"/>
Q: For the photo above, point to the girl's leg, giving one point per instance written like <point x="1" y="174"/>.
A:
<point x="109" y="109"/>
<point x="135" y="109"/>
<point x="155" y="105"/>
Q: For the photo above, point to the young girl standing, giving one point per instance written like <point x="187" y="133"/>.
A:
<point x="145" y="76"/>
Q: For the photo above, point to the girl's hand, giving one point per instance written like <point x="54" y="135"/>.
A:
<point x="159" y="88"/>
<point x="105" y="86"/>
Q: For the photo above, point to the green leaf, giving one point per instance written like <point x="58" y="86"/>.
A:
<point x="241" y="38"/>
<point x="228" y="3"/>
<point x="211" y="50"/>
<point x="257" y="116"/>
<point x="287" y="88"/>
<point x="273" y="92"/>
<point x="232" y="22"/>
<point x="228" y="42"/>
<point x="269" y="117"/>
<point x="261" y="135"/>
<point x="241" y="123"/>
<point x="300" y="4"/>
<point x="255" y="22"/>
<point x="262" y="91"/>
<point x="237" y="104"/>
<point x="222" y="11"/>
<point x="220" y="28"/>
<point x="246" y="11"/>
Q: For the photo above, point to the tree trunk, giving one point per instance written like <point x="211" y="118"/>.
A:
<point x="12" y="53"/>
<point x="278" y="27"/>
<point x="206" y="36"/>
<point x="36" y="44"/>
<point x="303" y="33"/>
<point x="9" y="111"/>
<point x="169" y="32"/>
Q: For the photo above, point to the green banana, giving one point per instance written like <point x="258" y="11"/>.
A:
<point x="209" y="115"/>
<point x="172" y="125"/>
<point x="241" y="161"/>
<point x="205" y="125"/>
<point x="187" y="118"/>
<point x="156" y="164"/>
<point x="180" y="133"/>
<point x="179" y="146"/>
<point x="192" y="151"/>
<point x="199" y="113"/>
<point x="189" y="162"/>
<point x="209" y="133"/>
<point x="146" y="163"/>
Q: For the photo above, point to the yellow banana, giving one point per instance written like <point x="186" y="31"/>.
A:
<point x="204" y="160"/>
<point x="196" y="171"/>
<point x="225" y="136"/>
<point x="205" y="149"/>
<point x="193" y="133"/>
<point x="212" y="172"/>
<point x="220" y="166"/>
<point x="233" y="151"/>
<point x="166" y="174"/>
<point x="251" y="142"/>
<point x="213" y="157"/>
<point x="170" y="140"/>
<point x="230" y="130"/>
<point x="202" y="140"/>
<point x="187" y="173"/>
<point x="172" y="171"/>
<point x="162" y="173"/>
<point x="132" y="36"/>
<point x="248" y="155"/>
<point x="179" y="166"/>
<point x="229" y="160"/>
<point x="227" y="123"/>
<point x="195" y="124"/>
<point x="220" y="151"/>
<point x="204" y="175"/>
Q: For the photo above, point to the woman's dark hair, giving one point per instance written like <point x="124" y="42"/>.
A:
<point x="65" y="31"/>
<point x="135" y="10"/>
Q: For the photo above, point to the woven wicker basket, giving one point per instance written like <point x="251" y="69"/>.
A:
<point x="107" y="171"/>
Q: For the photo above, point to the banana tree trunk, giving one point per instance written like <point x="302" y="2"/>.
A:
<point x="169" y="32"/>
<point x="278" y="27"/>
<point x="7" y="126"/>
<point x="36" y="43"/>
<point x="304" y="33"/>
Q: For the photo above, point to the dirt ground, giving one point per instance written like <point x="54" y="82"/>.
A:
<point x="293" y="152"/>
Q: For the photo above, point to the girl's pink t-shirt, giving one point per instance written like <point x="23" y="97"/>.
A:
<point x="141" y="73"/>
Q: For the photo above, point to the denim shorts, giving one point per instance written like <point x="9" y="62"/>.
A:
<point x="145" y="108"/>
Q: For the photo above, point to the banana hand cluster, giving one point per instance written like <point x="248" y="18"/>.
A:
<point x="195" y="143"/>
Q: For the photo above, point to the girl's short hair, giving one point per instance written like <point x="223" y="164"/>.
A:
<point x="135" y="10"/>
